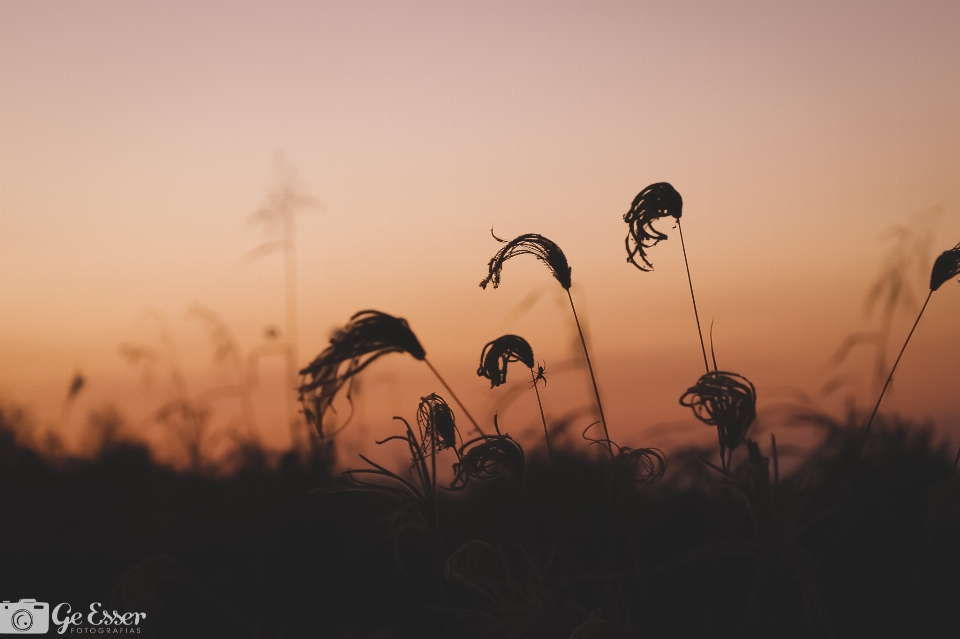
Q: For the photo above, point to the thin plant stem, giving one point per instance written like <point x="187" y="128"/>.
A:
<point x="723" y="452"/>
<point x="866" y="432"/>
<point x="454" y="396"/>
<point x="436" y="531"/>
<point x="433" y="483"/>
<point x="546" y="434"/>
<point x="693" y="297"/>
<point x="593" y="378"/>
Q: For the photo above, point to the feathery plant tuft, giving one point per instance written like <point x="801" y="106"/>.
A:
<point x="495" y="357"/>
<point x="500" y="352"/>
<point x="479" y="459"/>
<point x="651" y="204"/>
<point x="438" y="427"/>
<point x="640" y="465"/>
<point x="550" y="254"/>
<point x="632" y="465"/>
<point x="486" y="457"/>
<point x="946" y="267"/>
<point x="529" y="244"/>
<point x="655" y="202"/>
<point x="725" y="400"/>
<point x="367" y="336"/>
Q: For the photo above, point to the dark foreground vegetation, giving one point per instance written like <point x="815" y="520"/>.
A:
<point x="478" y="538"/>
<point x="846" y="546"/>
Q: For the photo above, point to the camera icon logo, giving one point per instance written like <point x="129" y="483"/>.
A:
<point x="25" y="617"/>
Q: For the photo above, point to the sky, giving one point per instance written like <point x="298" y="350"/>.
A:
<point x="137" y="138"/>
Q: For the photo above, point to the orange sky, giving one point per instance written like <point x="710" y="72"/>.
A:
<point x="136" y="138"/>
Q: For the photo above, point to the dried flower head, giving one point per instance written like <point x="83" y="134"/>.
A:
<point x="631" y="465"/>
<point x="654" y="202"/>
<point x="530" y="244"/>
<point x="500" y="352"/>
<point x="486" y="457"/>
<point x="438" y="427"/>
<point x="946" y="267"/>
<point x="725" y="400"/>
<point x="638" y="466"/>
<point x="367" y="336"/>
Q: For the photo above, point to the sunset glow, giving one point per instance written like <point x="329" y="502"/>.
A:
<point x="137" y="138"/>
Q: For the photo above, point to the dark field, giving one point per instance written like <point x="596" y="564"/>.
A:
<point x="846" y="546"/>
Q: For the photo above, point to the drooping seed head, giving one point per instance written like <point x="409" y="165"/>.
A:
<point x="530" y="244"/>
<point x="500" y="352"/>
<point x="725" y="400"/>
<point x="654" y="202"/>
<point x="487" y="457"/>
<point x="367" y="336"/>
<point x="638" y="466"/>
<point x="946" y="267"/>
<point x="437" y="424"/>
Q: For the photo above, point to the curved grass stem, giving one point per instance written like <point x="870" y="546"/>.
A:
<point x="546" y="433"/>
<point x="873" y="415"/>
<point x="593" y="378"/>
<point x="433" y="485"/>
<point x="454" y="396"/>
<point x="441" y="582"/>
<point x="703" y="347"/>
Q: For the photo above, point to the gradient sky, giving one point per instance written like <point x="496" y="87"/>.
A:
<point x="137" y="137"/>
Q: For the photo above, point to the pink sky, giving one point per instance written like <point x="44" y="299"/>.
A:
<point x="136" y="138"/>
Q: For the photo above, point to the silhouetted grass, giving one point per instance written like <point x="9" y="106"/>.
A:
<point x="844" y="546"/>
<point x="552" y="256"/>
<point x="477" y="537"/>
<point x="498" y="354"/>
<point x="727" y="401"/>
<point x="721" y="399"/>
<point x="946" y="266"/>
<point x="655" y="202"/>
<point x="368" y="336"/>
